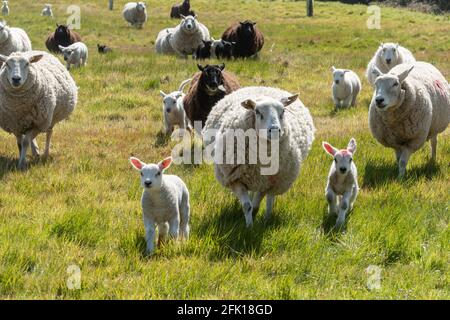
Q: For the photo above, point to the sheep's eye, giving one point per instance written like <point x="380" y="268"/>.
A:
<point x="259" y="114"/>
<point x="335" y="160"/>
<point x="351" y="160"/>
<point x="395" y="84"/>
<point x="142" y="174"/>
<point x="282" y="114"/>
<point x="158" y="174"/>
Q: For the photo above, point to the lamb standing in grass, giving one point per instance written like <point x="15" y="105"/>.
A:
<point x="387" y="56"/>
<point x="75" y="54"/>
<point x="346" y="87"/>
<point x="342" y="187"/>
<point x="411" y="105"/>
<point x="273" y="115"/>
<point x="5" y="8"/>
<point x="36" y="92"/>
<point x="135" y="13"/>
<point x="47" y="11"/>
<point x="13" y="40"/>
<point x="162" y="43"/>
<point x="165" y="202"/>
<point x="188" y="35"/>
<point x="173" y="109"/>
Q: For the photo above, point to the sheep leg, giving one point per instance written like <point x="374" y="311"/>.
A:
<point x="433" y="148"/>
<point x="242" y="193"/>
<point x="347" y="102"/>
<point x="149" y="225"/>
<point x="398" y="153"/>
<point x="355" y="191"/>
<point x="26" y="140"/>
<point x="332" y="202"/>
<point x="47" y="143"/>
<point x="256" y="202"/>
<point x="19" y="143"/>
<point x="404" y="158"/>
<point x="34" y="148"/>
<point x="337" y="103"/>
<point x="270" y="200"/>
<point x="168" y="128"/>
<point x="344" y="205"/>
<point x="174" y="226"/>
<point x="184" y="218"/>
<point x="163" y="230"/>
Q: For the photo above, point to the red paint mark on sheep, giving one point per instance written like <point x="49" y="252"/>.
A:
<point x="440" y="86"/>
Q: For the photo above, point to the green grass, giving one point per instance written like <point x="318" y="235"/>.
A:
<point x="83" y="206"/>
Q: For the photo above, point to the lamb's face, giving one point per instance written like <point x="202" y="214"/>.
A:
<point x="170" y="100"/>
<point x="140" y="6"/>
<point x="189" y="24"/>
<point x="151" y="174"/>
<point x="343" y="159"/>
<point x="339" y="76"/>
<point x="67" y="53"/>
<point x="4" y="32"/>
<point x="389" y="54"/>
<point x="17" y="68"/>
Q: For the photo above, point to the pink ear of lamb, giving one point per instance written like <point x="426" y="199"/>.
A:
<point x="136" y="163"/>
<point x="328" y="148"/>
<point x="165" y="163"/>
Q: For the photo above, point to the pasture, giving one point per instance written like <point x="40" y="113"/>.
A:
<point x="82" y="207"/>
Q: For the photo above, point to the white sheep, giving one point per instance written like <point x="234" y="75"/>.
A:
<point x="346" y="87"/>
<point x="173" y="110"/>
<point x="13" y="40"/>
<point x="47" y="11"/>
<point x="135" y="13"/>
<point x="165" y="202"/>
<point x="76" y="54"/>
<point x="266" y="115"/>
<point x="5" y="8"/>
<point x="188" y="35"/>
<point x="162" y="43"/>
<point x="410" y="105"/>
<point x="387" y="56"/>
<point x="36" y="92"/>
<point x="342" y="187"/>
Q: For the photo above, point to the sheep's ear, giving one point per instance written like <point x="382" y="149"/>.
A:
<point x="61" y="47"/>
<point x="396" y="46"/>
<point x="249" y="104"/>
<point x="195" y="17"/>
<point x="163" y="165"/>
<point x="201" y="68"/>
<point x="254" y="23"/>
<point x="182" y="16"/>
<point x="222" y="66"/>
<point x="351" y="147"/>
<point x="136" y="163"/>
<point x="162" y="94"/>
<point x="333" y="69"/>
<point x="402" y="76"/>
<point x="381" y="45"/>
<point x="376" y="71"/>
<point x="3" y="58"/>
<point x="345" y="71"/>
<point x="35" y="58"/>
<point x="329" y="148"/>
<point x="289" y="100"/>
<point x="212" y="39"/>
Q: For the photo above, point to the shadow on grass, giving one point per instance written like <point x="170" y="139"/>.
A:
<point x="162" y="139"/>
<point x="329" y="225"/>
<point x="8" y="165"/>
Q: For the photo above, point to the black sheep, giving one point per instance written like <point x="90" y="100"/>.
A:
<point x="62" y="36"/>
<point x="224" y="49"/>
<point x="182" y="9"/>
<point x="203" y="50"/>
<point x="249" y="40"/>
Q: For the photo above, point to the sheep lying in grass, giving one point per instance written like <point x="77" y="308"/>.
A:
<point x="165" y="202"/>
<point x="75" y="54"/>
<point x="346" y="87"/>
<point x="203" y="51"/>
<point x="342" y="187"/>
<point x="188" y="35"/>
<point x="36" y="92"/>
<point x="386" y="57"/>
<point x="13" y="40"/>
<point x="47" y="11"/>
<point x="273" y="115"/>
<point x="103" y="49"/>
<point x="5" y="8"/>
<point x="135" y="13"/>
<point x="173" y="110"/>
<point x="222" y="49"/>
<point x="411" y="105"/>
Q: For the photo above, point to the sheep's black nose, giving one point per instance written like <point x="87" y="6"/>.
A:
<point x="343" y="170"/>
<point x="379" y="101"/>
<point x="16" y="80"/>
<point x="337" y="81"/>
<point x="168" y="110"/>
<point x="388" y="61"/>
<point x="148" y="184"/>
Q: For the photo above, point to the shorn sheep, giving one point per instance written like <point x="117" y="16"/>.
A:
<point x="188" y="35"/>
<point x="342" y="187"/>
<point x="5" y="8"/>
<point x="249" y="40"/>
<point x="173" y="109"/>
<point x="76" y="54"/>
<point x="208" y="87"/>
<point x="165" y="202"/>
<point x="62" y="36"/>
<point x="13" y="40"/>
<point x="183" y="8"/>
<point x="410" y="105"/>
<point x="387" y="56"/>
<point x="47" y="11"/>
<point x="135" y="13"/>
<point x="346" y="87"/>
<point x="273" y="115"/>
<point x="36" y="92"/>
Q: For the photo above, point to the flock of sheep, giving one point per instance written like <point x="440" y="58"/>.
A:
<point x="410" y="105"/>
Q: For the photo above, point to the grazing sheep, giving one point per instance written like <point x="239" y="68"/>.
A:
<point x="13" y="40"/>
<point x="188" y="35"/>
<point x="62" y="36"/>
<point x="207" y="88"/>
<point x="342" y="187"/>
<point x="47" y="11"/>
<point x="203" y="51"/>
<point x="249" y="40"/>
<point x="75" y="54"/>
<point x="103" y="48"/>
<point x="273" y="115"/>
<point x="5" y="8"/>
<point x="346" y="87"/>
<point x="387" y="56"/>
<point x="410" y="105"/>
<point x="181" y="9"/>
<point x="135" y="13"/>
<point x="162" y="43"/>
<point x="36" y="92"/>
<point x="165" y="202"/>
<point x="173" y="109"/>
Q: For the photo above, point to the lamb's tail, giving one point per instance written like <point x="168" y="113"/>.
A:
<point x="183" y="84"/>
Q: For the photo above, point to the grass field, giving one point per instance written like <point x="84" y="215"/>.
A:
<point x="82" y="207"/>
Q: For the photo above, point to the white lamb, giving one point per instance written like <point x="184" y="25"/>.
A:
<point x="36" y="92"/>
<point x="272" y="116"/>
<point x="346" y="87"/>
<point x="76" y="54"/>
<point x="342" y="187"/>
<point x="5" y="8"/>
<point x="410" y="105"/>
<point x="13" y="40"/>
<point x="387" y="56"/>
<point x="165" y="202"/>
<point x="162" y="43"/>
<point x="135" y="13"/>
<point x="173" y="110"/>
<point x="188" y="35"/>
<point x="47" y="11"/>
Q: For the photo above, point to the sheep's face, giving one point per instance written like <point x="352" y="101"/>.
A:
<point x="67" y="52"/>
<point x="170" y="100"/>
<point x="389" y="54"/>
<point x="4" y="32"/>
<point x="338" y="75"/>
<point x="269" y="115"/>
<point x="17" y="68"/>
<point x="388" y="90"/>
<point x="140" y="6"/>
<point x="247" y="28"/>
<point x="189" y="24"/>
<point x="212" y="78"/>
<point x="62" y="31"/>
<point x="343" y="159"/>
<point x="151" y="174"/>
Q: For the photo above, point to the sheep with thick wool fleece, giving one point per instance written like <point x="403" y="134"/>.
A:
<point x="36" y="92"/>
<point x="410" y="105"/>
<point x="346" y="87"/>
<point x="13" y="40"/>
<point x="188" y="35"/>
<point x="387" y="56"/>
<point x="261" y="109"/>
<point x="135" y="13"/>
